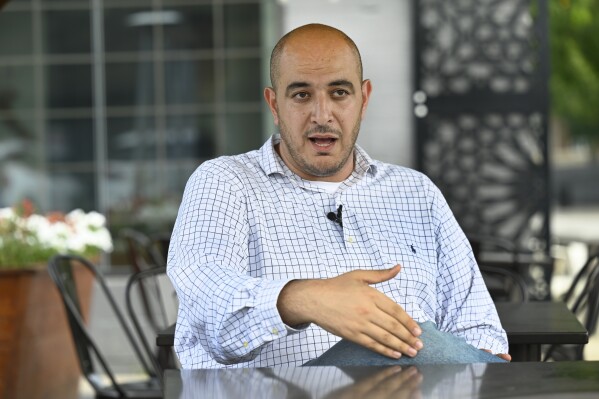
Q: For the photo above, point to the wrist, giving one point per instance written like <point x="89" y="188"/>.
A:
<point x="295" y="302"/>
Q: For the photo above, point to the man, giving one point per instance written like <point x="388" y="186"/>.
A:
<point x="277" y="253"/>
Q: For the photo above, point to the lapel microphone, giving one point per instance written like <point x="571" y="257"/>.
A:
<point x="336" y="218"/>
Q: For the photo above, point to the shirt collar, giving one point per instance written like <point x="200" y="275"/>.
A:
<point x="272" y="163"/>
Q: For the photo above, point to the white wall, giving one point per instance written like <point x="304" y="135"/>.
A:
<point x="382" y="30"/>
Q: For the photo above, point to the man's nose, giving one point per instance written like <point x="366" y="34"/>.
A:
<point x="322" y="111"/>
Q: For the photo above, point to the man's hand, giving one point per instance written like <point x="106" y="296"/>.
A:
<point x="504" y="356"/>
<point x="349" y="307"/>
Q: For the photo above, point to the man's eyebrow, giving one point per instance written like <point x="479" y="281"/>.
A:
<point x="343" y="82"/>
<point x="295" y="85"/>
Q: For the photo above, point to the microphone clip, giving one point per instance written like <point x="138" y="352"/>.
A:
<point x="337" y="218"/>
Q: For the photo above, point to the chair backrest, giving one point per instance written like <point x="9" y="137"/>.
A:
<point x="482" y="244"/>
<point x="62" y="271"/>
<point x="156" y="279"/>
<point x="512" y="286"/>
<point x="504" y="283"/>
<point x="145" y="254"/>
<point x="161" y="242"/>
<point x="582" y="298"/>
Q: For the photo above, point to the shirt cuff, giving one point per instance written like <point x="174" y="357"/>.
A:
<point x="273" y="326"/>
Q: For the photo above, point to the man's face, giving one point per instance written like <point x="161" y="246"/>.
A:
<point x="318" y="105"/>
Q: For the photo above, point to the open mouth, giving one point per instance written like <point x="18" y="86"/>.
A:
<point x="323" y="142"/>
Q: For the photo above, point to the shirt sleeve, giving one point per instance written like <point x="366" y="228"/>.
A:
<point x="465" y="307"/>
<point x="231" y="314"/>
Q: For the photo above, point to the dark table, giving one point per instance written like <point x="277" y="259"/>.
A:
<point x="528" y="326"/>
<point x="573" y="380"/>
<point x="531" y="324"/>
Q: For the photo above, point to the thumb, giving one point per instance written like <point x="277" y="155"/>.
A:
<point x="378" y="276"/>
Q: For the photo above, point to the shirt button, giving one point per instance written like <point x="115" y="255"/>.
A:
<point x="351" y="239"/>
<point x="275" y="331"/>
<point x="245" y="344"/>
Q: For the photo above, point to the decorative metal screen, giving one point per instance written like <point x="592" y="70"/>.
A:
<point x="481" y="72"/>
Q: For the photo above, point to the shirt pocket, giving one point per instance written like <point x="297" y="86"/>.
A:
<point x="414" y="286"/>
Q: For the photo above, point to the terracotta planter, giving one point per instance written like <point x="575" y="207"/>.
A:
<point x="37" y="355"/>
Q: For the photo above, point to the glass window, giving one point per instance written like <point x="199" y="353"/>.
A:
<point x="16" y="35"/>
<point x="181" y="84"/>
<point x="134" y="198"/>
<point x="190" y="136"/>
<point x="190" y="28"/>
<point x="72" y="190"/>
<point x="19" y="128"/>
<point x="128" y="29"/>
<point x="16" y="88"/>
<point x="131" y="138"/>
<point x="177" y="174"/>
<point x="69" y="140"/>
<point x="109" y="3"/>
<point x="68" y="86"/>
<point x="129" y="84"/>
<point x="242" y="25"/>
<point x="20" y="176"/>
<point x="66" y="31"/>
<point x="244" y="132"/>
<point x="189" y="82"/>
<point x="242" y="79"/>
<point x="129" y="185"/>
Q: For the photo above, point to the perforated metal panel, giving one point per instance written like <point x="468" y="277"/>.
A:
<point x="481" y="108"/>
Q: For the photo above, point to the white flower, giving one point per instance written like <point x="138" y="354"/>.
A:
<point x="7" y="213"/>
<point x="77" y="232"/>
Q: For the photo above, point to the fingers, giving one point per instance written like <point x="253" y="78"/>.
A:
<point x="396" y="312"/>
<point x="400" y="335"/>
<point x="505" y="356"/>
<point x="350" y="308"/>
<point x="392" y="330"/>
<point x="392" y="344"/>
<point x="385" y="303"/>
<point x="378" y="276"/>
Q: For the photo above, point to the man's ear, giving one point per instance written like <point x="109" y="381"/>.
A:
<point x="366" y="90"/>
<point x="271" y="100"/>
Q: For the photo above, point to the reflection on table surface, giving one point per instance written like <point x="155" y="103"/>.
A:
<point x="575" y="380"/>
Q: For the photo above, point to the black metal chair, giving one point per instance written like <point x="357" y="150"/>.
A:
<point x="155" y="317"/>
<point x="161" y="241"/>
<point x="503" y="283"/>
<point x="144" y="254"/>
<point x="582" y="298"/>
<point x="94" y="365"/>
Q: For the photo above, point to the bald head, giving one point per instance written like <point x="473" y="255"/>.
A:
<point x="308" y="35"/>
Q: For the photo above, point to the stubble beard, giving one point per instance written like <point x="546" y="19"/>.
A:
<point x="316" y="168"/>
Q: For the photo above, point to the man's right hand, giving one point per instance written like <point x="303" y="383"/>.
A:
<point x="349" y="307"/>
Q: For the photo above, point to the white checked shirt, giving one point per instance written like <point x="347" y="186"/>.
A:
<point x="247" y="225"/>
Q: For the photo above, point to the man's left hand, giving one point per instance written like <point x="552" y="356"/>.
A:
<point x="504" y="356"/>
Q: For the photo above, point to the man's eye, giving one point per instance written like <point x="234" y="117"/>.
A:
<point x="340" y="93"/>
<point x="301" y="95"/>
